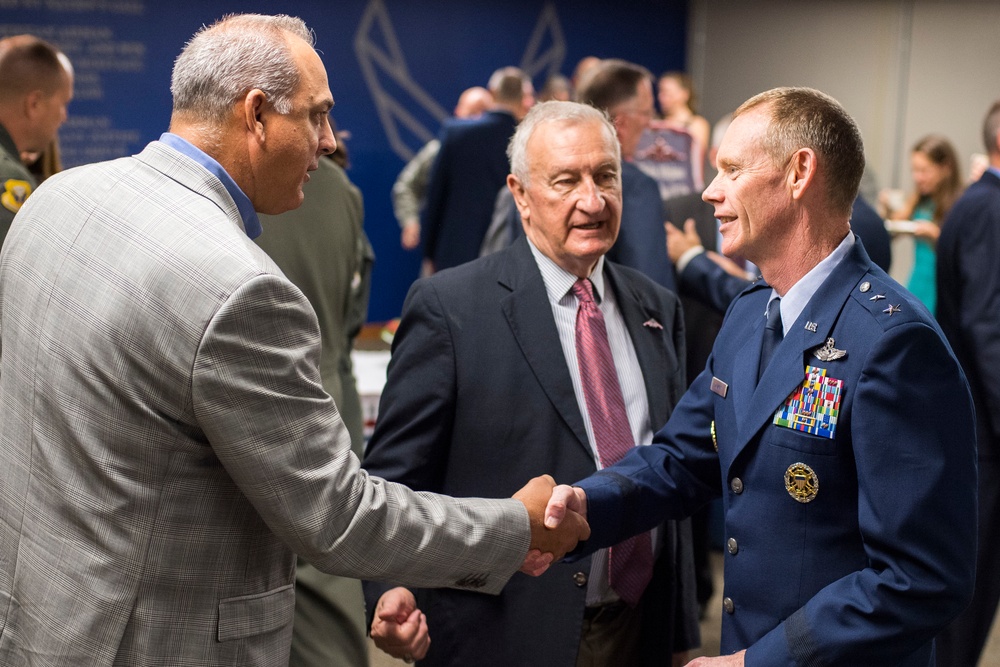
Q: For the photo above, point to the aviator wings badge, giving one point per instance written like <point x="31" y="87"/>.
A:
<point x="827" y="352"/>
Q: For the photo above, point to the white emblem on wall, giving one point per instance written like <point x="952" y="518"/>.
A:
<point x="387" y="62"/>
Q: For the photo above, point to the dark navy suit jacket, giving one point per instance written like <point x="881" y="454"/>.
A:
<point x="478" y="401"/>
<point x="968" y="285"/>
<point x="642" y="240"/>
<point x="968" y="282"/>
<point x="469" y="170"/>
<point x="881" y="559"/>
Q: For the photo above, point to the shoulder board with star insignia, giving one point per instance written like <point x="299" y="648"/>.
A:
<point x="885" y="300"/>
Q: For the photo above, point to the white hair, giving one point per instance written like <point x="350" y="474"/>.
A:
<point x="554" y="111"/>
<point x="240" y="52"/>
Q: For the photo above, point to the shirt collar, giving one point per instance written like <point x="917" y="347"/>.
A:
<point x="801" y="292"/>
<point x="558" y="281"/>
<point x="251" y="223"/>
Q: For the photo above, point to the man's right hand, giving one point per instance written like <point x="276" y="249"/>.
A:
<point x="561" y="537"/>
<point x="565" y="499"/>
<point x="399" y="628"/>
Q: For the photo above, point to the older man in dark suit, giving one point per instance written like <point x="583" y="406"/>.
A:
<point x="488" y="384"/>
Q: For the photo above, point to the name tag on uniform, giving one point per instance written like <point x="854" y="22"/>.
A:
<point x="719" y="387"/>
<point x="815" y="406"/>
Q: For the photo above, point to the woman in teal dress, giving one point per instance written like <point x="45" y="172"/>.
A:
<point x="938" y="183"/>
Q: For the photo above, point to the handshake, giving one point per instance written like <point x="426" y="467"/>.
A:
<point x="558" y="517"/>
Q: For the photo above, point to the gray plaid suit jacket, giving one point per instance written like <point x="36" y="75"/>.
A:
<point x="166" y="443"/>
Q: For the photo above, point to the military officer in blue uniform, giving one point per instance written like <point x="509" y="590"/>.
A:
<point x="845" y="460"/>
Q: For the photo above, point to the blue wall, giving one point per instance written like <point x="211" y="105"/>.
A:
<point x="396" y="68"/>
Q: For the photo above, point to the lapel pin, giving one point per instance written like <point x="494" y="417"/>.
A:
<point x="652" y="324"/>
<point x="877" y="297"/>
<point x="719" y="387"/>
<point x="827" y="352"/>
<point x="892" y="310"/>
<point x="811" y="326"/>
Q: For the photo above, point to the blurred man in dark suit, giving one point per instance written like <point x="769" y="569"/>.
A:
<point x="470" y="168"/>
<point x="968" y="282"/>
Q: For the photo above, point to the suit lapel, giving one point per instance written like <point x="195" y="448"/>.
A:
<point x="787" y="368"/>
<point x="529" y="314"/>
<point x="649" y="341"/>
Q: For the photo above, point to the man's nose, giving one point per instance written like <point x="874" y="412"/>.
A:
<point x="590" y="199"/>
<point x="327" y="140"/>
<point x="713" y="193"/>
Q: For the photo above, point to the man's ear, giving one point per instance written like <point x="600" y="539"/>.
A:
<point x="801" y="171"/>
<point x="520" y="197"/>
<point x="255" y="113"/>
<point x="33" y="103"/>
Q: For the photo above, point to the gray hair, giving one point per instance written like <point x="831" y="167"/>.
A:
<point x="240" y="52"/>
<point x="554" y="111"/>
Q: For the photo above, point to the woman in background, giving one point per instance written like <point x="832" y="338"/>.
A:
<point x="675" y="93"/>
<point x="937" y="184"/>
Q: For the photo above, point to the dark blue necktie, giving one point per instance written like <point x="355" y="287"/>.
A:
<point x="773" y="333"/>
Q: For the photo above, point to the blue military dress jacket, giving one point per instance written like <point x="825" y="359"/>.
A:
<point x="847" y="475"/>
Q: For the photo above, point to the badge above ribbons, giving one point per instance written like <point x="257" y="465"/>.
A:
<point x="814" y="407"/>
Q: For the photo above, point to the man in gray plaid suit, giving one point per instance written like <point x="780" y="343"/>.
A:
<point x="167" y="445"/>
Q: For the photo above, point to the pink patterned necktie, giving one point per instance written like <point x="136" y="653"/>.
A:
<point x="631" y="561"/>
